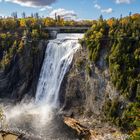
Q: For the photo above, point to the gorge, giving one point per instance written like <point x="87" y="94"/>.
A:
<point x="76" y="86"/>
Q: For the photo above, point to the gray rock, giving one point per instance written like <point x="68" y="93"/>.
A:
<point x="21" y="76"/>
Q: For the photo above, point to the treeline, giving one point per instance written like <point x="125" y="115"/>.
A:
<point x="34" y="22"/>
<point x="121" y="39"/>
<point x="16" y="33"/>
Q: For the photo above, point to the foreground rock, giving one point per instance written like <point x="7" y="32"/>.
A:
<point x="8" y="136"/>
<point x="82" y="131"/>
<point x="104" y="133"/>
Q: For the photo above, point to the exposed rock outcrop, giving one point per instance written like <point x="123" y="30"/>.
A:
<point x="86" y="133"/>
<point x="84" y="94"/>
<point x="21" y="76"/>
<point x="8" y="136"/>
<point x="82" y="131"/>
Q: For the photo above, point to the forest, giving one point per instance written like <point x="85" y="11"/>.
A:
<point x="121" y="39"/>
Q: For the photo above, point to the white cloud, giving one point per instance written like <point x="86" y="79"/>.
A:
<point x="97" y="6"/>
<point x="123" y="1"/>
<point x="33" y="3"/>
<point x="66" y="14"/>
<point x="45" y="8"/>
<point x="108" y="11"/>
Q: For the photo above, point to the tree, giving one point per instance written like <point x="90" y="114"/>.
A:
<point x="101" y="18"/>
<point x="130" y="13"/>
<point x="35" y="34"/>
<point x="32" y="15"/>
<point x="121" y="17"/>
<point x="22" y="23"/>
<point x="36" y="15"/>
<point x="3" y="124"/>
<point x="23" y="15"/>
<point x="14" y="15"/>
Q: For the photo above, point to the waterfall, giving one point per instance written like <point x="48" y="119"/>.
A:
<point x="39" y="118"/>
<point x="58" y="57"/>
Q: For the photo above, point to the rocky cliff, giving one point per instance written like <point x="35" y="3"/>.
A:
<point x="85" y="92"/>
<point x="103" y="84"/>
<point x="20" y="77"/>
<point x="87" y="85"/>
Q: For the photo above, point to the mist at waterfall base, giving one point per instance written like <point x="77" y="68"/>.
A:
<point x="39" y="117"/>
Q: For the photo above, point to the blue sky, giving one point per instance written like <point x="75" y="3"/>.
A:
<point x="81" y="9"/>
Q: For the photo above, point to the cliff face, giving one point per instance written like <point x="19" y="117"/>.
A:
<point x="20" y="77"/>
<point x="87" y="93"/>
<point x="87" y="86"/>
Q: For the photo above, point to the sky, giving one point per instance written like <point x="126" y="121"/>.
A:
<point x="73" y="9"/>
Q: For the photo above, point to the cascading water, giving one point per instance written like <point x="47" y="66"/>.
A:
<point x="59" y="55"/>
<point x="39" y="117"/>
